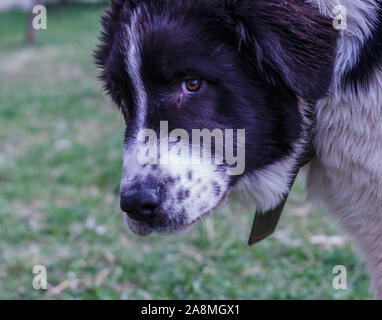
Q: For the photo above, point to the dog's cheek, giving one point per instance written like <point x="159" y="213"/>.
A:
<point x="197" y="189"/>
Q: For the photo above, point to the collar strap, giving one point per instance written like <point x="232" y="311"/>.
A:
<point x="265" y="223"/>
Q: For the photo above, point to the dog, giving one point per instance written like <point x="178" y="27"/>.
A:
<point x="279" y="70"/>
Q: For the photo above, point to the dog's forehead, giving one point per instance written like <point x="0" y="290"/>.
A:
<point x="168" y="47"/>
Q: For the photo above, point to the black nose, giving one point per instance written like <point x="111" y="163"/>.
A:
<point x="139" y="204"/>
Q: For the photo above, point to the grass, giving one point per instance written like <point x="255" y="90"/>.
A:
<point x="60" y="165"/>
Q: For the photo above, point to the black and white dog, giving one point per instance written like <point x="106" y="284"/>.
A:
<point x="259" y="65"/>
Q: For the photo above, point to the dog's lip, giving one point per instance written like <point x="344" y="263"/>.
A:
<point x="124" y="215"/>
<point x="188" y="225"/>
<point x="140" y="231"/>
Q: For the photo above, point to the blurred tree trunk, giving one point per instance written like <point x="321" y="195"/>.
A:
<point x="31" y="32"/>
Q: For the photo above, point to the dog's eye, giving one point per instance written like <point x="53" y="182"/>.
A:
<point x="191" y="85"/>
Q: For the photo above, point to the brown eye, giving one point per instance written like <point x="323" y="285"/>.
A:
<point x="191" y="85"/>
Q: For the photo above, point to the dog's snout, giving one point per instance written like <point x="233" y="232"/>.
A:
<point x="140" y="204"/>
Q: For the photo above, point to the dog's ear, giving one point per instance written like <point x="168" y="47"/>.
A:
<point x="289" y="41"/>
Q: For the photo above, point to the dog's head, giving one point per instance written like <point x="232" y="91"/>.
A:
<point x="233" y="72"/>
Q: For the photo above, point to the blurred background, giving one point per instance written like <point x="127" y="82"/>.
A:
<point x="60" y="166"/>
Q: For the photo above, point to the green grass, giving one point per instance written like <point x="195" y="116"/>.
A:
<point x="60" y="165"/>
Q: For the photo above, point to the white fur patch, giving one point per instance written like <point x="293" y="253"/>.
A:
<point x="133" y="63"/>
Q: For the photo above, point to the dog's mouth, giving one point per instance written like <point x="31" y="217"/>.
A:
<point x="144" y="229"/>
